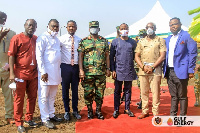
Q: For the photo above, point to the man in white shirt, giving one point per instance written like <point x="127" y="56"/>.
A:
<point x="70" y="69"/>
<point x="48" y="57"/>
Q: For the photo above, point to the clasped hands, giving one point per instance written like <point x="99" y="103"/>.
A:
<point x="148" y="69"/>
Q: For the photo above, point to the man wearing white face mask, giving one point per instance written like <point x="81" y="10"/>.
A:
<point x="149" y="55"/>
<point x="122" y="67"/>
<point x="48" y="57"/>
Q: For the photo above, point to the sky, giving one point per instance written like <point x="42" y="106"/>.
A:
<point x="109" y="13"/>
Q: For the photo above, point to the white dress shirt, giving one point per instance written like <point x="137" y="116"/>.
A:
<point x="66" y="45"/>
<point x="172" y="45"/>
<point x="48" y="57"/>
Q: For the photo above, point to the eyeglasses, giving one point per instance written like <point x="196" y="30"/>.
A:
<point x="173" y="24"/>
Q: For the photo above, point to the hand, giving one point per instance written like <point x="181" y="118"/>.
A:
<point x="3" y="33"/>
<point x="191" y="75"/>
<point x="114" y="75"/>
<point x="44" y="77"/>
<point x="150" y="70"/>
<point x="81" y="74"/>
<point x="108" y="73"/>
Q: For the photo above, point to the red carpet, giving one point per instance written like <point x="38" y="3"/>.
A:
<point x="125" y="124"/>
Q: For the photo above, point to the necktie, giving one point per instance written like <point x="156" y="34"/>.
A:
<point x="72" y="51"/>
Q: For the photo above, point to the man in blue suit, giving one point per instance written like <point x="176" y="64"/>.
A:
<point x="179" y="65"/>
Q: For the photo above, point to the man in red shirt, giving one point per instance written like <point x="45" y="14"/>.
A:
<point x="23" y="71"/>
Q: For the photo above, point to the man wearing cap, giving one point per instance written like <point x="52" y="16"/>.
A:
<point x="5" y="37"/>
<point x="94" y="64"/>
<point x="122" y="67"/>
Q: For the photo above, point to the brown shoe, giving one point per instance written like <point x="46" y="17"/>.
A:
<point x="141" y="116"/>
<point x="10" y="121"/>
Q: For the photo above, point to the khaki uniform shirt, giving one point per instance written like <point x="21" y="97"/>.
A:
<point x="4" y="52"/>
<point x="150" y="52"/>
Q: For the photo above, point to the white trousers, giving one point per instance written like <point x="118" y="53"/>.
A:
<point x="46" y="99"/>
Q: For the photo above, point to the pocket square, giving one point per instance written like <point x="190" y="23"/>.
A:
<point x="182" y="42"/>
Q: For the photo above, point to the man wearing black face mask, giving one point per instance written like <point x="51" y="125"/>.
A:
<point x="94" y="64"/>
<point x="149" y="55"/>
<point x="122" y="67"/>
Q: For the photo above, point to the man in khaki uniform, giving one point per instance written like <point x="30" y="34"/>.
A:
<point x="5" y="37"/>
<point x="149" y="55"/>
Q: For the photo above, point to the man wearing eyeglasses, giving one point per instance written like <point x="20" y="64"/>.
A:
<point x="179" y="65"/>
<point x="149" y="55"/>
<point x="5" y="37"/>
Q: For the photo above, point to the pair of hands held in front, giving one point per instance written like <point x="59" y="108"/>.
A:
<point x="82" y="74"/>
<point x="148" y="69"/>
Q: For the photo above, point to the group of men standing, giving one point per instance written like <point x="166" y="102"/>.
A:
<point x="40" y="64"/>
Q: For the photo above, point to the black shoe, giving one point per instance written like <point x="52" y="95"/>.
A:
<point x="116" y="114"/>
<point x="90" y="114"/>
<point x="76" y="115"/>
<point x="48" y="124"/>
<point x="67" y="116"/>
<point x="56" y="119"/>
<point x="21" y="129"/>
<point x="129" y="113"/>
<point x="99" y="115"/>
<point x="30" y="123"/>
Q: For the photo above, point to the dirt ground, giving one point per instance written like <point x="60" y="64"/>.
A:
<point x="63" y="127"/>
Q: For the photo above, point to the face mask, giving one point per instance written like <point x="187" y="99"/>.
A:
<point x="123" y="32"/>
<point x="3" y="26"/>
<point x="94" y="30"/>
<point x="150" y="31"/>
<point x="52" y="33"/>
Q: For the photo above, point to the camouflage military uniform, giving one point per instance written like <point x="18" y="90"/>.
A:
<point x="94" y="66"/>
<point x="197" y="76"/>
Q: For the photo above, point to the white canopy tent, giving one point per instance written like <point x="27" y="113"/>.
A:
<point x="158" y="16"/>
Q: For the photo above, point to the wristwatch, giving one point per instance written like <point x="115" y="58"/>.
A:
<point x="107" y="68"/>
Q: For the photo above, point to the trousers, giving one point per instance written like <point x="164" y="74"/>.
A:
<point x="30" y="87"/>
<point x="46" y="99"/>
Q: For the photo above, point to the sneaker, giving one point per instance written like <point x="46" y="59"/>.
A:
<point x="30" y="124"/>
<point x="56" y="119"/>
<point x="67" y="116"/>
<point x="48" y="124"/>
<point x="76" y="115"/>
<point x="21" y="129"/>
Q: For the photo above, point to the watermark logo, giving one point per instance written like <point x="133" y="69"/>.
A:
<point x="189" y="121"/>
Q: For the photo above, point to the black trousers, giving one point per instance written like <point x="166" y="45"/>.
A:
<point x="178" y="92"/>
<point x="117" y="94"/>
<point x="70" y="74"/>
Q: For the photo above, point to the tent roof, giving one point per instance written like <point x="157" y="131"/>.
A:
<point x="157" y="15"/>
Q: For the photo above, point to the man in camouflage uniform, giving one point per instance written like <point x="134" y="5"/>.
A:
<point x="197" y="75"/>
<point x="94" y="64"/>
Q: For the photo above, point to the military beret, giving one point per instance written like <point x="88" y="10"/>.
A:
<point x="93" y="24"/>
<point x="142" y="31"/>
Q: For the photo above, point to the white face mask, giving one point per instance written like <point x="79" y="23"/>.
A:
<point x="150" y="31"/>
<point x="3" y="26"/>
<point x="52" y="33"/>
<point x="123" y="32"/>
<point x="94" y="30"/>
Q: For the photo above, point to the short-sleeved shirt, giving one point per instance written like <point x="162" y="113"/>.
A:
<point x="150" y="52"/>
<point x="23" y="49"/>
<point x="94" y="61"/>
<point x="4" y="46"/>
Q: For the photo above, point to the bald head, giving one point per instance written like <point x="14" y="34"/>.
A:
<point x="3" y="18"/>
